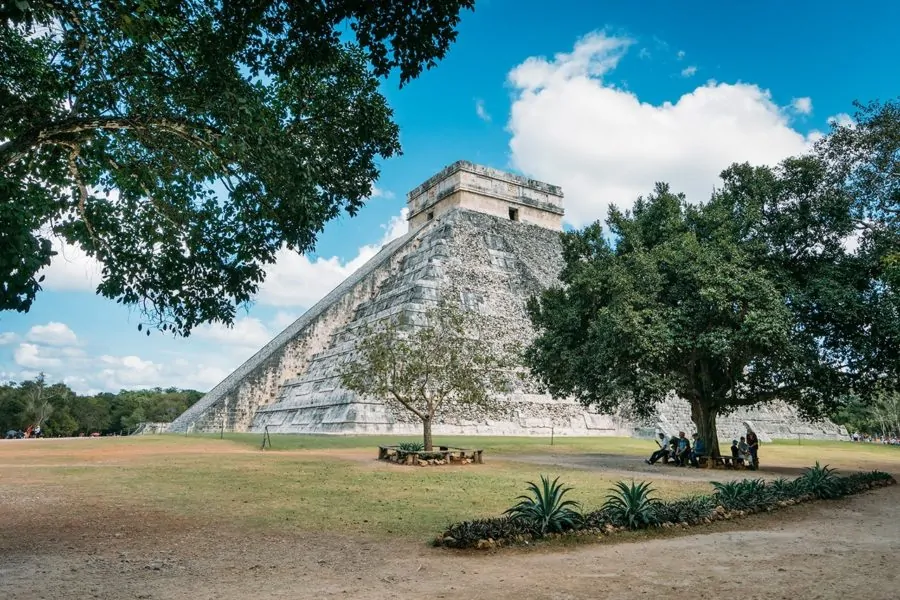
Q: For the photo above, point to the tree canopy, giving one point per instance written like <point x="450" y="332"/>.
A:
<point x="182" y="143"/>
<point x="442" y="365"/>
<point x="61" y="412"/>
<point x="753" y="296"/>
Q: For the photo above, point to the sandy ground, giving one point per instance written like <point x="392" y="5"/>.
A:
<point x="52" y="548"/>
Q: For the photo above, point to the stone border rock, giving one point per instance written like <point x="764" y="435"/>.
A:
<point x="444" y="455"/>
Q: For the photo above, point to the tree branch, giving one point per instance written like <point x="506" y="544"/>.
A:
<point x="16" y="148"/>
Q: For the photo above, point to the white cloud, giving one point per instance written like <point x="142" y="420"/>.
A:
<point x="295" y="280"/>
<point x="481" y="111"/>
<point x="593" y="55"/>
<point x="377" y="192"/>
<point x="689" y="71"/>
<point x="644" y="53"/>
<point x="8" y="337"/>
<point x="681" y="54"/>
<point x="802" y="105"/>
<point x="605" y="146"/>
<point x="841" y="120"/>
<point x="246" y="332"/>
<point x="120" y="372"/>
<point x="31" y="356"/>
<point x="52" y="334"/>
<point x="71" y="269"/>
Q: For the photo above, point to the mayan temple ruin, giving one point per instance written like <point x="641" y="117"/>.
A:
<point x="478" y="236"/>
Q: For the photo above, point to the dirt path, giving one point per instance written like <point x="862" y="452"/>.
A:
<point x="844" y="549"/>
<point x="634" y="466"/>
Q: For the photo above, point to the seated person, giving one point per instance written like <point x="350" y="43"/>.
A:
<point x="683" y="450"/>
<point x="736" y="453"/>
<point x="663" y="451"/>
<point x="698" y="451"/>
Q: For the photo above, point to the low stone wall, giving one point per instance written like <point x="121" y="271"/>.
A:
<point x="445" y="455"/>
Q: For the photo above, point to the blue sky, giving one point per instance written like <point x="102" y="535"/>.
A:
<point x="602" y="98"/>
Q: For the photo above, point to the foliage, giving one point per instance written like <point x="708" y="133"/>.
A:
<point x="783" y="489"/>
<point x="184" y="143"/>
<point x="424" y="368"/>
<point x="430" y="455"/>
<point x="597" y="519"/>
<point x="821" y="482"/>
<point x="67" y="413"/>
<point x="631" y="505"/>
<point x="690" y="510"/>
<point x="863" y="160"/>
<point x="467" y="534"/>
<point x="747" y="494"/>
<point x="545" y="510"/>
<point x="749" y="297"/>
<point x="879" y="416"/>
<point x="411" y="446"/>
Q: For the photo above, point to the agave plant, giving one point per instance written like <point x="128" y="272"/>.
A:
<point x="411" y="446"/>
<point x="545" y="510"/>
<point x="631" y="505"/>
<point x="783" y="488"/>
<point x="729" y="494"/>
<point x="821" y="482"/>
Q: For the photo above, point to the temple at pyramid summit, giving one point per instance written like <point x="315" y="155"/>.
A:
<point x="486" y="239"/>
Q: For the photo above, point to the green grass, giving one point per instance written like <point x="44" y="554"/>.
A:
<point x="333" y="484"/>
<point x="213" y="482"/>
<point x="491" y="444"/>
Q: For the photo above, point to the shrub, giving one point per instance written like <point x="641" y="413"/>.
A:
<point x="785" y="489"/>
<point x="411" y="446"/>
<point x="822" y="482"/>
<point x="687" y="510"/>
<point x="467" y="534"/>
<point x="747" y="494"/>
<point x="545" y="510"/>
<point x="430" y="455"/>
<point x="631" y="505"/>
<point x="596" y="519"/>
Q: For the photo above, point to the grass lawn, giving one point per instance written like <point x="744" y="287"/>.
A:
<point x="315" y="483"/>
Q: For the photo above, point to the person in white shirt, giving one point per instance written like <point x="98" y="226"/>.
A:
<point x="663" y="449"/>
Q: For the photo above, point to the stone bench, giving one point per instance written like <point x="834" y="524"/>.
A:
<point x="448" y="454"/>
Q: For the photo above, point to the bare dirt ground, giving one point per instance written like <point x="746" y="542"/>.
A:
<point x="52" y="547"/>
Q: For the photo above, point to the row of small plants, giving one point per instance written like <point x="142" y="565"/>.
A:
<point x="545" y="510"/>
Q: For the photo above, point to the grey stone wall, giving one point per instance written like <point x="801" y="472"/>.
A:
<point x="487" y="264"/>
<point x="258" y="381"/>
<point x="775" y="420"/>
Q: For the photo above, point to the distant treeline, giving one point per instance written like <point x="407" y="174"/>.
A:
<point x="61" y="412"/>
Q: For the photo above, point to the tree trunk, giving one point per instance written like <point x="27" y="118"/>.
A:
<point x="704" y="417"/>
<point x="426" y="427"/>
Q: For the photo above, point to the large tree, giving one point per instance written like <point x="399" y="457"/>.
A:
<point x="728" y="303"/>
<point x="182" y="143"/>
<point x="862" y="158"/>
<point x="441" y="365"/>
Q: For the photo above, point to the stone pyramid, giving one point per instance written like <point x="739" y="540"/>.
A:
<point x="477" y="236"/>
<point x="481" y="237"/>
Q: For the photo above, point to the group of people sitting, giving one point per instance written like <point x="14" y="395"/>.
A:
<point x="682" y="452"/>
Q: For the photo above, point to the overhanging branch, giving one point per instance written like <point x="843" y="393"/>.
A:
<point x="60" y="131"/>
